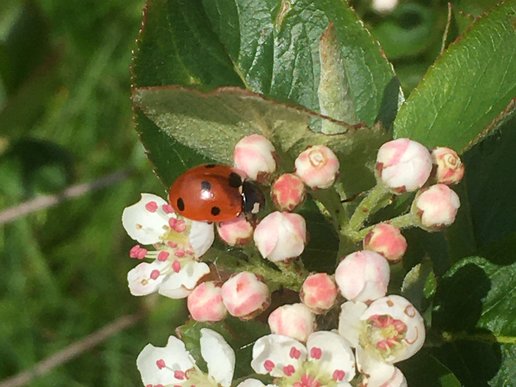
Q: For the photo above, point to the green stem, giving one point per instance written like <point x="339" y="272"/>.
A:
<point x="486" y="338"/>
<point x="375" y="200"/>
<point x="401" y="222"/>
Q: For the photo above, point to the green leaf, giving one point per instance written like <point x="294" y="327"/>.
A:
<point x="185" y="52"/>
<point x="491" y="183"/>
<point x="280" y="47"/>
<point x="212" y="123"/>
<point x="489" y="301"/>
<point x="424" y="370"/>
<point x="467" y="88"/>
<point x="476" y="306"/>
<point x="240" y="335"/>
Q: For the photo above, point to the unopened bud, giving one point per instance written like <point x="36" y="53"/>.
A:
<point x="403" y="165"/>
<point x="386" y="240"/>
<point x="319" y="292"/>
<point x="287" y="192"/>
<point x="254" y="155"/>
<point x="436" y="207"/>
<point x="280" y="236"/>
<point x="205" y="303"/>
<point x="245" y="296"/>
<point x="363" y="276"/>
<point x="448" y="166"/>
<point x="317" y="166"/>
<point x="235" y="232"/>
<point x="296" y="321"/>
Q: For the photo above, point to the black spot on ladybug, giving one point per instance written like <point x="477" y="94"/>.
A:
<point x="180" y="204"/>
<point x="205" y="185"/>
<point x="235" y="180"/>
<point x="215" y="211"/>
<point x="210" y="166"/>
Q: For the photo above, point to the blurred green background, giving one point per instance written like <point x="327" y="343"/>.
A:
<point x="65" y="118"/>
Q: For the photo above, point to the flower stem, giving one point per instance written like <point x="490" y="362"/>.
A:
<point x="377" y="198"/>
<point x="481" y="337"/>
<point x="401" y="222"/>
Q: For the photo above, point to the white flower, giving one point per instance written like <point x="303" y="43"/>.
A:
<point x="326" y="360"/>
<point x="174" y="271"/>
<point x="386" y="332"/>
<point x="173" y="365"/>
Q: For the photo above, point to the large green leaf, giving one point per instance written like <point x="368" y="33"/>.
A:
<point x="467" y="88"/>
<point x="212" y="123"/>
<point x="476" y="306"/>
<point x="289" y="49"/>
<point x="489" y="302"/>
<point x="176" y="46"/>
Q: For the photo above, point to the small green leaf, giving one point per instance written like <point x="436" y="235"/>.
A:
<point x="467" y="88"/>
<point x="212" y="123"/>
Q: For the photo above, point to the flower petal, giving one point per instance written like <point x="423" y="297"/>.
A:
<point x="219" y="356"/>
<point x="254" y="383"/>
<point x="146" y="221"/>
<point x="349" y="321"/>
<point x="158" y="365"/>
<point x="272" y="353"/>
<point x="201" y="237"/>
<point x="184" y="280"/>
<point x="141" y="278"/>
<point x="336" y="355"/>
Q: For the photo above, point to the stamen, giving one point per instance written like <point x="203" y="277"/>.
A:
<point x="163" y="255"/>
<point x="338" y="375"/>
<point x="268" y="365"/>
<point x="167" y="208"/>
<point x="160" y="363"/>
<point x="294" y="353"/>
<point x="179" y="375"/>
<point x="176" y="266"/>
<point x="154" y="274"/>
<point x="316" y="353"/>
<point x="151" y="206"/>
<point x="179" y="253"/>
<point x="289" y="370"/>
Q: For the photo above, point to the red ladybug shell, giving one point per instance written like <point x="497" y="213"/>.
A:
<point x="209" y="192"/>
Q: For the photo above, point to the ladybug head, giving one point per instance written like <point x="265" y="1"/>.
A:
<point x="253" y="198"/>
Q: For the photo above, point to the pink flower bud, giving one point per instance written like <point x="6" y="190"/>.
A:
<point x="254" y="155"/>
<point x="363" y="276"/>
<point x="296" y="321"/>
<point x="235" y="232"/>
<point x="245" y="296"/>
<point x="287" y="192"/>
<point x="436" y="207"/>
<point x="448" y="166"/>
<point x="317" y="166"/>
<point x="318" y="292"/>
<point x="205" y="303"/>
<point x="403" y="165"/>
<point x="280" y="236"/>
<point x="386" y="240"/>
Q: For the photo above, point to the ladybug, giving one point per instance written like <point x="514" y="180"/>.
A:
<point x="214" y="193"/>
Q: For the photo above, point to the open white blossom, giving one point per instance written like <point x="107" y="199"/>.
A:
<point x="386" y="332"/>
<point x="173" y="365"/>
<point x="325" y="360"/>
<point x="177" y="243"/>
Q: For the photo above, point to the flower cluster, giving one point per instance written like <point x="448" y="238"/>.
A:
<point x="375" y="330"/>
